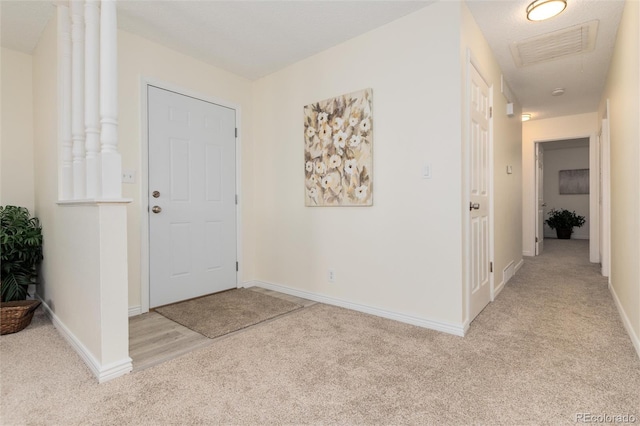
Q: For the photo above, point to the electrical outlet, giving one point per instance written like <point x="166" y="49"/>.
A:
<point x="331" y="276"/>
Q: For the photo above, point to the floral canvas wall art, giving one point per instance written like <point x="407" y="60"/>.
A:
<point x="338" y="135"/>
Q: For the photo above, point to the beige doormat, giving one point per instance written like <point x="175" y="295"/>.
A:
<point x="226" y="312"/>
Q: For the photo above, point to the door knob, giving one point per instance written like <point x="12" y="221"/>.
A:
<point x="156" y="209"/>
<point x="155" y="194"/>
<point x="474" y="206"/>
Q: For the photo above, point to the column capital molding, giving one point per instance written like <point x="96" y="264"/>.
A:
<point x="94" y="201"/>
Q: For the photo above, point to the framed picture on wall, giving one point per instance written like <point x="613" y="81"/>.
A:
<point x="338" y="136"/>
<point x="574" y="181"/>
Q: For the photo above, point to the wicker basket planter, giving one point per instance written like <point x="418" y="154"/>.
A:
<point x="16" y="315"/>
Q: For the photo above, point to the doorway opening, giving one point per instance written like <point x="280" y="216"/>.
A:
<point x="567" y="178"/>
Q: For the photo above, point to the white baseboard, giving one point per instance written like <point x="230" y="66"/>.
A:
<point x="625" y="320"/>
<point x="446" y="327"/>
<point x="518" y="266"/>
<point x="135" y="310"/>
<point x="103" y="373"/>
<point x="115" y="370"/>
<point x="506" y="277"/>
<point x="497" y="289"/>
<point x="573" y="237"/>
<point x="528" y="253"/>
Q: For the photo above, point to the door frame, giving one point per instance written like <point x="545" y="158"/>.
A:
<point x="466" y="184"/>
<point x="605" y="194"/>
<point x="145" y="82"/>
<point x="538" y="150"/>
<point x="594" y="189"/>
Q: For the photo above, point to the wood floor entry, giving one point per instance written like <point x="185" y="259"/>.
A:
<point x="154" y="339"/>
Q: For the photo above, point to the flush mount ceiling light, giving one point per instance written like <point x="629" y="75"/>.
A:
<point x="526" y="117"/>
<point x="540" y="10"/>
<point x="557" y="92"/>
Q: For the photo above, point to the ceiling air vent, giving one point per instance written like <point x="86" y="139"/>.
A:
<point x="558" y="44"/>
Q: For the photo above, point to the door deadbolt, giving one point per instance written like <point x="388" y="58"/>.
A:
<point x="155" y="194"/>
<point x="156" y="209"/>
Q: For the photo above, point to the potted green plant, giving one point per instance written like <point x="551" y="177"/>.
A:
<point x="563" y="221"/>
<point x="20" y="254"/>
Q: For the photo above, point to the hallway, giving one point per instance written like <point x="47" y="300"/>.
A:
<point x="550" y="347"/>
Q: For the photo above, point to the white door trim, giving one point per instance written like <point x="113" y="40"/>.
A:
<point x="594" y="200"/>
<point x="466" y="183"/>
<point x="145" y="82"/>
<point x="594" y="226"/>
<point x="605" y="159"/>
<point x="538" y="232"/>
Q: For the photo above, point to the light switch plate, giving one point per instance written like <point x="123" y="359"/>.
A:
<point x="426" y="171"/>
<point x="509" y="170"/>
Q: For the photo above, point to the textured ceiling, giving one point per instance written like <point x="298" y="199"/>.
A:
<point x="22" y="23"/>
<point x="582" y="76"/>
<point x="255" y="38"/>
<point x="248" y="38"/>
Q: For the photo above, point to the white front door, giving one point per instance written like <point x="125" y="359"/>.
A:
<point x="479" y="196"/>
<point x="192" y="207"/>
<point x="540" y="197"/>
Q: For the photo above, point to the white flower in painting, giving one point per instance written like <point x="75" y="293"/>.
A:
<point x="309" y="166"/>
<point x="353" y="121"/>
<point x="338" y="122"/>
<point x="326" y="181"/>
<point x="322" y="117"/>
<point x="365" y="125"/>
<point x="311" y="132"/>
<point x="340" y="139"/>
<point x="361" y="192"/>
<point x="313" y="179"/>
<point x="312" y="192"/>
<point x="321" y="168"/>
<point x="350" y="166"/>
<point x="335" y="161"/>
<point x="355" y="141"/>
<point x="325" y="132"/>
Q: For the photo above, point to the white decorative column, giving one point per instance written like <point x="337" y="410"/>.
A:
<point x="90" y="194"/>
<point x="64" y="102"/>
<point x="77" y="98"/>
<point x="92" y="98"/>
<point x="111" y="162"/>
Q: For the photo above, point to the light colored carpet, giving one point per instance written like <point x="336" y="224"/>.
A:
<point x="551" y="346"/>
<point x="226" y="312"/>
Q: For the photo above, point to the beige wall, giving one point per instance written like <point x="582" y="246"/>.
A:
<point x="565" y="159"/>
<point x="138" y="58"/>
<point x="623" y="92"/>
<point x="402" y="255"/>
<point x="507" y="151"/>
<point x="557" y="128"/>
<point x="16" y="159"/>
